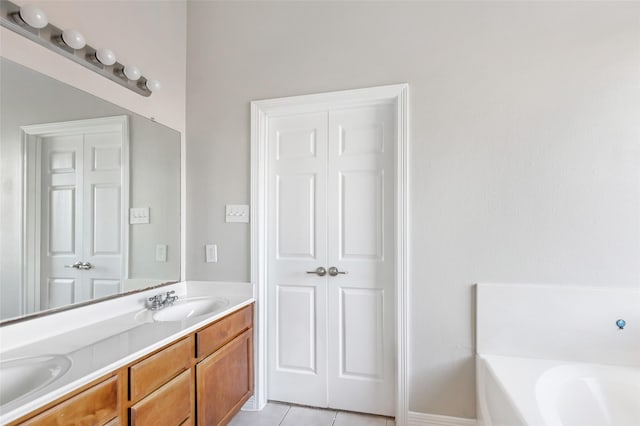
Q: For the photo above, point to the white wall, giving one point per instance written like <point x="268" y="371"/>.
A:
<point x="525" y="145"/>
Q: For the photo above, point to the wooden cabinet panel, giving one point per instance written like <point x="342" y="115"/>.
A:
<point x="224" y="381"/>
<point x="151" y="373"/>
<point x="221" y="332"/>
<point x="94" y="406"/>
<point x="168" y="406"/>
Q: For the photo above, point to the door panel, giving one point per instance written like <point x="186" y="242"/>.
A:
<point x="295" y="216"/>
<point x="361" y="215"/>
<point x="62" y="221"/>
<point x="61" y="291"/>
<point x="61" y="203"/>
<point x="297" y="149"/>
<point x="361" y="334"/>
<point x="103" y="288"/>
<point x="102" y="225"/>
<point x="360" y="241"/>
<point x="296" y="329"/>
<point x="105" y="202"/>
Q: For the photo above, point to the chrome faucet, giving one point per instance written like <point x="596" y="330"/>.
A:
<point x="159" y="301"/>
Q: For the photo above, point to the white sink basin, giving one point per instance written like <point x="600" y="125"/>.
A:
<point x="184" y="309"/>
<point x="21" y="376"/>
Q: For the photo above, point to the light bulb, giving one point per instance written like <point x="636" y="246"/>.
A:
<point x="132" y="72"/>
<point x="105" y="56"/>
<point x="33" y="16"/>
<point x="74" y="39"/>
<point x="153" y="85"/>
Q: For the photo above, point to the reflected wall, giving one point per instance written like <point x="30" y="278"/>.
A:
<point x="28" y="97"/>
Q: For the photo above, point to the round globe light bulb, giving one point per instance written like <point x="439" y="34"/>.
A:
<point x="74" y="39"/>
<point x="153" y="85"/>
<point x="33" y="16"/>
<point x="132" y="72"/>
<point x="105" y="56"/>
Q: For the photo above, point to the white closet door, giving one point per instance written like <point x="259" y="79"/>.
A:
<point x="331" y="338"/>
<point x="360" y="196"/>
<point x="297" y="331"/>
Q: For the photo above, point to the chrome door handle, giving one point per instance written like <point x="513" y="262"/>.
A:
<point x="80" y="265"/>
<point x="320" y="271"/>
<point x="333" y="271"/>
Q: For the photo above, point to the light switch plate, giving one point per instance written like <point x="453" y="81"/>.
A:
<point x="139" y="215"/>
<point x="237" y="213"/>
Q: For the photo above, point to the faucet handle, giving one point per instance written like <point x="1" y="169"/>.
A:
<point x="154" y="302"/>
<point x="170" y="298"/>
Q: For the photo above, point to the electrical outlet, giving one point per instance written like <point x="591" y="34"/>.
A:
<point x="211" y="253"/>
<point x="161" y="252"/>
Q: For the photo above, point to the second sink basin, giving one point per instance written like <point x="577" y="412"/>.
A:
<point x="22" y="376"/>
<point x="184" y="309"/>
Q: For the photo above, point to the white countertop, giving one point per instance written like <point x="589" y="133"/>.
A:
<point x="103" y="337"/>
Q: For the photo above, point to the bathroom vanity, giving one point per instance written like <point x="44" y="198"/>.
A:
<point x="169" y="368"/>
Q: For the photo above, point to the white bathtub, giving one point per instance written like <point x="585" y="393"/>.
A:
<point x="537" y="392"/>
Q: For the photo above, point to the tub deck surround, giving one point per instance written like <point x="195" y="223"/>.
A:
<point x="103" y="337"/>
<point x="564" y="322"/>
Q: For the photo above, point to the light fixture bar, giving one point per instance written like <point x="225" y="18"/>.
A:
<point x="51" y="37"/>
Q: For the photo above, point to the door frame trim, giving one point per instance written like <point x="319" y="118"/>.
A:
<point x="31" y="192"/>
<point x="261" y="111"/>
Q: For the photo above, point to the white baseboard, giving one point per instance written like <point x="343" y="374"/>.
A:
<point x="251" y="404"/>
<point x="424" y="419"/>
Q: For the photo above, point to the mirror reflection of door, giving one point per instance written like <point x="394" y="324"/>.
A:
<point x="76" y="198"/>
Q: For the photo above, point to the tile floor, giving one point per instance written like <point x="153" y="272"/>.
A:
<point x="279" y="414"/>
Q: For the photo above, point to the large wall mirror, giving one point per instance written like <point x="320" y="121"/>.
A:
<point x="89" y="196"/>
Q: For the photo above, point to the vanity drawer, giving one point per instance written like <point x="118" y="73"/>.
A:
<point x="223" y="331"/>
<point x="94" y="406"/>
<point x="170" y="405"/>
<point x="151" y="373"/>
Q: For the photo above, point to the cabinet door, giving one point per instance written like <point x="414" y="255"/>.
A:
<point x="224" y="381"/>
<point x="94" y="406"/>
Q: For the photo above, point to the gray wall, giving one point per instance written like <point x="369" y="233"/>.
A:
<point x="28" y="97"/>
<point x="525" y="145"/>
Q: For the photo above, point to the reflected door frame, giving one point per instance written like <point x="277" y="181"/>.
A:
<point x="261" y="111"/>
<point x="31" y="194"/>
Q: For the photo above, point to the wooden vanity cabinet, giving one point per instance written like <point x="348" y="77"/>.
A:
<point x="215" y="364"/>
<point x="203" y="378"/>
